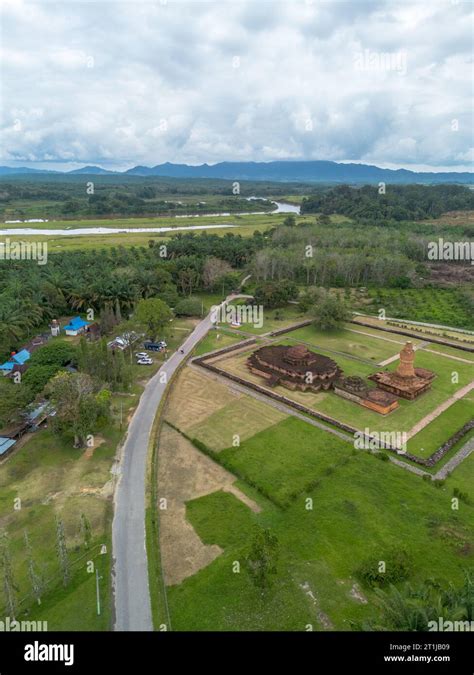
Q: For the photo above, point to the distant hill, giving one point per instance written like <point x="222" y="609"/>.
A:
<point x="92" y="171"/>
<point x="280" y="171"/>
<point x="14" y="171"/>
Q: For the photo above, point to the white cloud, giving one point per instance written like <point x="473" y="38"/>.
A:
<point x="118" y="83"/>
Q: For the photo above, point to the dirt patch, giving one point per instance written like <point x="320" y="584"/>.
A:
<point x="322" y="617"/>
<point x="357" y="594"/>
<point x="184" y="473"/>
<point x="89" y="451"/>
<point x="449" y="273"/>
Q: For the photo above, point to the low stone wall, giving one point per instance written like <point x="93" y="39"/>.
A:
<point x="446" y="447"/>
<point x="288" y="329"/>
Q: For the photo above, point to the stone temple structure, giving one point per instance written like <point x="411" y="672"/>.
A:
<point x="294" y="367"/>
<point x="356" y="389"/>
<point x="406" y="381"/>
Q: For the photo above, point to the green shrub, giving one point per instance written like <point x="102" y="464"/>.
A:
<point x="391" y="567"/>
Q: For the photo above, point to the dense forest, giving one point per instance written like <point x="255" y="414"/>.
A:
<point x="397" y="202"/>
<point x="309" y="254"/>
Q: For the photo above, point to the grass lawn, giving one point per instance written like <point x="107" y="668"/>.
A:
<point x="244" y="417"/>
<point x="463" y="475"/>
<point x="216" y="339"/>
<point x="362" y="508"/>
<point x="426" y="441"/>
<point x="350" y="343"/>
<point x="283" y="460"/>
<point x="274" y="319"/>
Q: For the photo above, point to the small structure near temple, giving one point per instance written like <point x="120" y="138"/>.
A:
<point x="356" y="389"/>
<point x="294" y="367"/>
<point x="406" y="381"/>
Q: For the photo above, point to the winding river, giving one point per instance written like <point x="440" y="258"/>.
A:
<point x="281" y="207"/>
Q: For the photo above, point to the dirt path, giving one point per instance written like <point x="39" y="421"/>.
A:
<point x="440" y="409"/>
<point x="396" y="357"/>
<point x="449" y="356"/>
<point x="459" y="457"/>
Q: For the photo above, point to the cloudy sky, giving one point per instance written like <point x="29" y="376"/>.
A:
<point x="118" y="84"/>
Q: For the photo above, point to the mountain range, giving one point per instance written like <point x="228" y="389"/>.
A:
<point x="278" y="171"/>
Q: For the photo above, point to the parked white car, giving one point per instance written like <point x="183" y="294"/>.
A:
<point x="142" y="355"/>
<point x="144" y="362"/>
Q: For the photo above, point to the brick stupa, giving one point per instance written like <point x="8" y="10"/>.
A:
<point x="406" y="381"/>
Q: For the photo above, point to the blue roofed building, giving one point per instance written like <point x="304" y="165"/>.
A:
<point x="15" y="362"/>
<point x="6" y="444"/>
<point x="76" y="326"/>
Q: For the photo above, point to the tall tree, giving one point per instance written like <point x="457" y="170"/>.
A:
<point x="62" y="552"/>
<point x="36" y="581"/>
<point x="152" y="315"/>
<point x="10" y="587"/>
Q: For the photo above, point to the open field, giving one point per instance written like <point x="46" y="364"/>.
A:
<point x="195" y="398"/>
<point x="361" y="507"/>
<point x="426" y="441"/>
<point x="244" y="225"/>
<point x="213" y="412"/>
<point x="239" y="420"/>
<point x="347" y="341"/>
<point x="282" y="461"/>
<point x="183" y="474"/>
<point x="273" y="319"/>
<point x="51" y="478"/>
<point x="216" y="339"/>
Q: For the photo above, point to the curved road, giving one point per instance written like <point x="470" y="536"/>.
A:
<point x="130" y="567"/>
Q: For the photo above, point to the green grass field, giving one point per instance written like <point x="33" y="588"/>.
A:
<point x="426" y="441"/>
<point x="352" y="343"/>
<point x="360" y="508"/>
<point x="216" y="339"/>
<point x="284" y="459"/>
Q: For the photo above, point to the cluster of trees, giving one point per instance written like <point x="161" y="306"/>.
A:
<point x="80" y="401"/>
<point x="397" y="202"/>
<point x="44" y="364"/>
<point x="410" y="607"/>
<point x="111" y="282"/>
<point x="37" y="582"/>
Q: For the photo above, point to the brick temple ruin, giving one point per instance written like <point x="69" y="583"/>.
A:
<point x="406" y="381"/>
<point x="298" y="368"/>
<point x="294" y="367"/>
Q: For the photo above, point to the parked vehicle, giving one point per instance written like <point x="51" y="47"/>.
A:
<point x="142" y="355"/>
<point x="144" y="362"/>
<point x="155" y="346"/>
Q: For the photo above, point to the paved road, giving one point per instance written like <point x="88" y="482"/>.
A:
<point x="130" y="568"/>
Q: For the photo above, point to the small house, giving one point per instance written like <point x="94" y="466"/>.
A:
<point x="76" y="326"/>
<point x="15" y="362"/>
<point x="6" y="444"/>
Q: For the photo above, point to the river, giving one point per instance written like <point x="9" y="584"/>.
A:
<point x="281" y="207"/>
